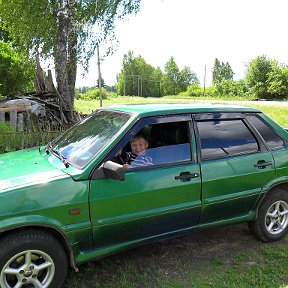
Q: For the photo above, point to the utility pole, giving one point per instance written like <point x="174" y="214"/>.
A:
<point x="204" y="80"/>
<point x="99" y="76"/>
<point x="141" y="86"/>
<point x="124" y="86"/>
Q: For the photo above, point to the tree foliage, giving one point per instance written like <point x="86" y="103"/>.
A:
<point x="66" y="30"/>
<point x="16" y="70"/>
<point x="140" y="78"/>
<point x="228" y="87"/>
<point x="257" y="76"/>
<point x="176" y="81"/>
<point x="93" y="94"/>
<point x="278" y="81"/>
<point x="172" y="78"/>
<point x="221" y="71"/>
<point x="188" y="77"/>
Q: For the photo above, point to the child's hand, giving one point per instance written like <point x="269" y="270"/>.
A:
<point x="126" y="165"/>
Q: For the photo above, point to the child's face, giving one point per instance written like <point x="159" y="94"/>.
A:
<point x="139" y="145"/>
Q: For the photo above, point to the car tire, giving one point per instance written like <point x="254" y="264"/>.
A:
<point x="271" y="223"/>
<point x="32" y="258"/>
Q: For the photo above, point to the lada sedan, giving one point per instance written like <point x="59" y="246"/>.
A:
<point x="131" y="174"/>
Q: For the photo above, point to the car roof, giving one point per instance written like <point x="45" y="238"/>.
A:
<point x="160" y="109"/>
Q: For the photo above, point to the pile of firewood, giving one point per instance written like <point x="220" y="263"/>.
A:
<point x="37" y="109"/>
<point x="32" y="109"/>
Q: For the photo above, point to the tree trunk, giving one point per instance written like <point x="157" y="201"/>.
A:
<point x="72" y="50"/>
<point x="61" y="57"/>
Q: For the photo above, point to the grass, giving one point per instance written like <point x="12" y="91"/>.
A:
<point x="173" y="264"/>
<point x="263" y="267"/>
<point x="278" y="113"/>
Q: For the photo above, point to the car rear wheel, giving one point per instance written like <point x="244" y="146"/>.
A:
<point x="272" y="218"/>
<point x="32" y="259"/>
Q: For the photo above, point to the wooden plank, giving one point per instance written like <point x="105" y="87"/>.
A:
<point x="20" y="127"/>
<point x="2" y="116"/>
<point x="28" y="122"/>
<point x="15" y="108"/>
<point x="13" y="119"/>
<point x="20" y="123"/>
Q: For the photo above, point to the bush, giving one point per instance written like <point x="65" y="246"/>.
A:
<point x="209" y="91"/>
<point x="113" y="95"/>
<point x="5" y="140"/>
<point x="231" y="88"/>
<point x="194" y="90"/>
<point x="5" y="127"/>
<point x="93" y="94"/>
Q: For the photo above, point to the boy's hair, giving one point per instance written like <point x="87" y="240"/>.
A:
<point x="138" y="136"/>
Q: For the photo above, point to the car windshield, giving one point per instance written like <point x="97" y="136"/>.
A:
<point x="79" y="145"/>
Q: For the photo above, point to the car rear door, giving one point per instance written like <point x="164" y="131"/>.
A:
<point x="235" y="166"/>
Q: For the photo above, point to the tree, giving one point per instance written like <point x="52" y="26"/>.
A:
<point x="221" y="71"/>
<point x="16" y="70"/>
<point x="64" y="29"/>
<point x="176" y="81"/>
<point x="138" y="77"/>
<point x="216" y="71"/>
<point x="278" y="81"/>
<point x="102" y="83"/>
<point x="188" y="77"/>
<point x="257" y="75"/>
<point x="172" y="78"/>
<point x="156" y="89"/>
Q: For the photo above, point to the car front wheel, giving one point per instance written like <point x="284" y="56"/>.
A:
<point x="272" y="219"/>
<point x="32" y="259"/>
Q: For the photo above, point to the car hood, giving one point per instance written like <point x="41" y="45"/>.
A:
<point x="27" y="167"/>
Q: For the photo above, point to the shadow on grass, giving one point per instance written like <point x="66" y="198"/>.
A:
<point x="220" y="257"/>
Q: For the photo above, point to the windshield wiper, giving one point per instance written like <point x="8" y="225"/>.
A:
<point x="49" y="149"/>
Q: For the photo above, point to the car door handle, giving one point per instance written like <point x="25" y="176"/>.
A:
<point x="186" y="176"/>
<point x="261" y="164"/>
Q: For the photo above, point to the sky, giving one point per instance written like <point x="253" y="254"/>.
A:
<point x="195" y="32"/>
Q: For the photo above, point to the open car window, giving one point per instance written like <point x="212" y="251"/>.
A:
<point x="167" y="143"/>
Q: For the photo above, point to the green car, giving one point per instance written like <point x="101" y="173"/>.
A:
<point x="131" y="174"/>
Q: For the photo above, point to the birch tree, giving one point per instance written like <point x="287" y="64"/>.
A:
<point x="65" y="30"/>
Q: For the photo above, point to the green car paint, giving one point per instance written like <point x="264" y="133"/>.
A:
<point x="98" y="215"/>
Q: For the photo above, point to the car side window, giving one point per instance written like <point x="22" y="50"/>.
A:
<point x="272" y="139"/>
<point x="225" y="138"/>
<point x="158" y="144"/>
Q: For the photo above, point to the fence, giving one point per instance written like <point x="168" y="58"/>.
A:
<point x="11" y="141"/>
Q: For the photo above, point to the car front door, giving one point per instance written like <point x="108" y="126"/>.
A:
<point x="235" y="166"/>
<point x="153" y="200"/>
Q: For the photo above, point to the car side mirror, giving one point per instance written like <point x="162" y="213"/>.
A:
<point x="113" y="170"/>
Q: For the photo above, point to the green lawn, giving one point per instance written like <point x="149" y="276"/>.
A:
<point x="278" y="113"/>
<point x="225" y="257"/>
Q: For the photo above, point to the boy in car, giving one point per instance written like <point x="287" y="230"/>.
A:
<point x="138" y="157"/>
